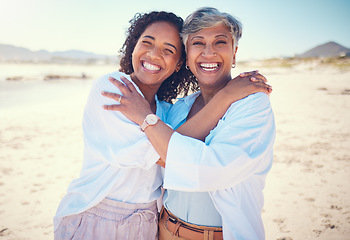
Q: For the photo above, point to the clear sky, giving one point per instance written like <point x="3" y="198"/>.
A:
<point x="271" y="28"/>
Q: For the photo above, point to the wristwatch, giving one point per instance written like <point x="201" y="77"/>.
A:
<point x="151" y="119"/>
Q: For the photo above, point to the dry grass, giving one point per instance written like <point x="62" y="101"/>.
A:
<point x="339" y="63"/>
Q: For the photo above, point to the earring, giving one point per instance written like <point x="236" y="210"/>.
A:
<point x="187" y="67"/>
<point x="234" y="65"/>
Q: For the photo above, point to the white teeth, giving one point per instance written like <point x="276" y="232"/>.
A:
<point x="151" y="66"/>
<point x="209" y="66"/>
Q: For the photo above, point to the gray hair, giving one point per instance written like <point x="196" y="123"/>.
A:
<point x="208" y="17"/>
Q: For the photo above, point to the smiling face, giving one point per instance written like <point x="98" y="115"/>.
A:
<point x="210" y="56"/>
<point x="156" y="55"/>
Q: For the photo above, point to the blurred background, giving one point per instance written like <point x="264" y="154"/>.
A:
<point x="52" y="50"/>
<point x="272" y="28"/>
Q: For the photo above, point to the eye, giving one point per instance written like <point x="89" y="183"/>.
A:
<point x="221" y="42"/>
<point x="146" y="42"/>
<point x="197" y="43"/>
<point x="168" y="51"/>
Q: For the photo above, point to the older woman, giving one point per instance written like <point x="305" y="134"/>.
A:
<point x="214" y="188"/>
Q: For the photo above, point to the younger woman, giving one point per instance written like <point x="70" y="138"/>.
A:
<point x="115" y="195"/>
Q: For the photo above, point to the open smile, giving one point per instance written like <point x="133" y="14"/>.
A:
<point x="150" y="67"/>
<point x="209" y="67"/>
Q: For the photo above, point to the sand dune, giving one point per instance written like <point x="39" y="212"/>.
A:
<point x="307" y="193"/>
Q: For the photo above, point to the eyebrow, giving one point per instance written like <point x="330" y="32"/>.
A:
<point x="197" y="37"/>
<point x="220" y="35"/>
<point x="166" y="43"/>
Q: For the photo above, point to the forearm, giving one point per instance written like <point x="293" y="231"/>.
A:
<point x="159" y="135"/>
<point x="207" y="118"/>
<point x="197" y="127"/>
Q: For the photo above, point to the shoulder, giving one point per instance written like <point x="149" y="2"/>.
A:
<point x="103" y="81"/>
<point x="257" y="99"/>
<point x="103" y="84"/>
<point x="254" y="103"/>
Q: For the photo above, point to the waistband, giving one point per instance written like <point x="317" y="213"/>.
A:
<point x="117" y="211"/>
<point x="187" y="230"/>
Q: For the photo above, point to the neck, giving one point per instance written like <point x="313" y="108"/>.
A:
<point x="149" y="92"/>
<point x="208" y="92"/>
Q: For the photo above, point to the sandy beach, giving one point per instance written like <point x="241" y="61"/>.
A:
<point x="307" y="194"/>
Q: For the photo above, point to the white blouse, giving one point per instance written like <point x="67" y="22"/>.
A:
<point x="119" y="161"/>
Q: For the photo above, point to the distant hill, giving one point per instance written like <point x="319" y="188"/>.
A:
<point x="9" y="53"/>
<point x="330" y="49"/>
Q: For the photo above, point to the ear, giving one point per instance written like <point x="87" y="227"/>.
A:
<point x="234" y="56"/>
<point x="186" y="62"/>
<point x="178" y="66"/>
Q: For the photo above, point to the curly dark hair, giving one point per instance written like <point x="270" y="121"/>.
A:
<point x="179" y="83"/>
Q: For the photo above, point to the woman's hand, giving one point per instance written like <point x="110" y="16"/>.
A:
<point x="131" y="103"/>
<point x="135" y="107"/>
<point x="247" y="83"/>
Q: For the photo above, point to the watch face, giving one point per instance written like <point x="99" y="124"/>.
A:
<point x="152" y="119"/>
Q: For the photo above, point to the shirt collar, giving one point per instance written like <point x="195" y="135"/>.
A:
<point x="189" y="100"/>
<point x="179" y="116"/>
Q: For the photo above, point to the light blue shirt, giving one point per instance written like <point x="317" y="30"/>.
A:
<point x="193" y="207"/>
<point x="231" y="164"/>
<point x="119" y="161"/>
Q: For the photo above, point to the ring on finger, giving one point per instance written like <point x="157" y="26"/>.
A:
<point x="120" y="98"/>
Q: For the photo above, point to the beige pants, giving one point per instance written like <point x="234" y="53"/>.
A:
<point x="110" y="220"/>
<point x="165" y="234"/>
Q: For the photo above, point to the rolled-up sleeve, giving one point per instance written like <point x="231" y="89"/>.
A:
<point x="240" y="146"/>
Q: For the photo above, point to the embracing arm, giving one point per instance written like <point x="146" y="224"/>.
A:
<point x="136" y="108"/>
<point x="207" y="118"/>
<point x="241" y="147"/>
<point x="109" y="136"/>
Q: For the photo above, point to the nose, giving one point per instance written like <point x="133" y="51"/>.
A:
<point x="208" y="51"/>
<point x="154" y="53"/>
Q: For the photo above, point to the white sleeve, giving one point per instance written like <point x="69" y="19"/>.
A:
<point x="241" y="145"/>
<point x="111" y="137"/>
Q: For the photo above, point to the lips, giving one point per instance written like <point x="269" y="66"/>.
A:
<point x="150" y="67"/>
<point x="209" y="67"/>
